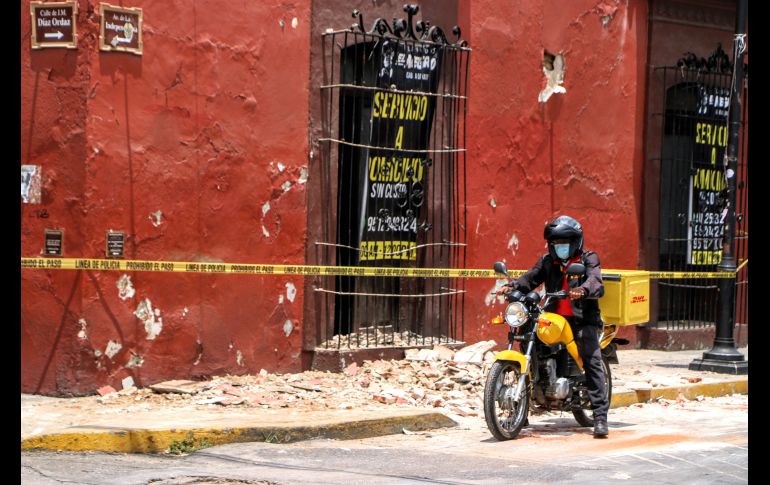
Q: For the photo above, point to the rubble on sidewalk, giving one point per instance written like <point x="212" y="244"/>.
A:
<point x="437" y="377"/>
<point x="433" y="378"/>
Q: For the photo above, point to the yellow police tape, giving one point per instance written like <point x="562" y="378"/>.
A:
<point x="299" y="269"/>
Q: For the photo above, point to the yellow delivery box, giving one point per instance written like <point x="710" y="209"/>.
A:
<point x="626" y="299"/>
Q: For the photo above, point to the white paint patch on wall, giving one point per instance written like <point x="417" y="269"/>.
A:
<point x="496" y="299"/>
<point x="291" y="291"/>
<point x="239" y="358"/>
<point x="280" y="299"/>
<point x="286" y="186"/>
<point x="265" y="208"/>
<point x="153" y="323"/>
<point x="281" y="167"/>
<point x="112" y="349"/>
<point x="200" y="353"/>
<point x="294" y="23"/>
<point x="288" y="327"/>
<point x="265" y="232"/>
<point x="82" y="333"/>
<point x="302" y="175"/>
<point x="134" y="361"/>
<point x="155" y="218"/>
<point x="125" y="288"/>
<point x="513" y="244"/>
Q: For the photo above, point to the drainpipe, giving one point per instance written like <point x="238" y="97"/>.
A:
<point x="724" y="357"/>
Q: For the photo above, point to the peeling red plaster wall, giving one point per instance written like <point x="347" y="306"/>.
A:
<point x="206" y="127"/>
<point x="580" y="153"/>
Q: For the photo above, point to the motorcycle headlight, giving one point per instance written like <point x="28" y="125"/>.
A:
<point x="516" y="314"/>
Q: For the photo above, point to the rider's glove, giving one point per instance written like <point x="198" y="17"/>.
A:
<point x="577" y="293"/>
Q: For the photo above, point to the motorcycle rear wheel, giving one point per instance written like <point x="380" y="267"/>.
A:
<point x="582" y="416"/>
<point x="504" y="424"/>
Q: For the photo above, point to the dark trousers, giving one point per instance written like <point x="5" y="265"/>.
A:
<point x="587" y="340"/>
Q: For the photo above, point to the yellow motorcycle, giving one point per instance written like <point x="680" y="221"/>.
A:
<point x="548" y="372"/>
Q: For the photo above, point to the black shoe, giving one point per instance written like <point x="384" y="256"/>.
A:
<point x="600" y="428"/>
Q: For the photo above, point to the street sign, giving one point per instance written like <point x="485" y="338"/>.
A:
<point x="53" y="242"/>
<point x="116" y="243"/>
<point x="120" y="29"/>
<point x="53" y="24"/>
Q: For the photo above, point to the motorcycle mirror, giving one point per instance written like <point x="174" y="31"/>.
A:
<point x="576" y="269"/>
<point x="533" y="297"/>
<point x="501" y="269"/>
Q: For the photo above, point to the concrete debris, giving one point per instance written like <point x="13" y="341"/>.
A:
<point x="180" y="387"/>
<point x="433" y="378"/>
<point x="128" y="382"/>
<point x="475" y="352"/>
<point x="103" y="391"/>
<point x="383" y="336"/>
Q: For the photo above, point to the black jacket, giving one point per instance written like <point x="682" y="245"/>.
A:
<point x="550" y="272"/>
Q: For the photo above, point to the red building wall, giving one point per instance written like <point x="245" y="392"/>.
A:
<point x="198" y="150"/>
<point x="580" y="153"/>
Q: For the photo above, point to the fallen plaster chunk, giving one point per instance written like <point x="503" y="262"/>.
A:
<point x="128" y="382"/>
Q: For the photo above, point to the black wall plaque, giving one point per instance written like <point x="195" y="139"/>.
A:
<point x="116" y="243"/>
<point x="53" y="242"/>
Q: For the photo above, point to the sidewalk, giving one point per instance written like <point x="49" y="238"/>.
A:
<point x="361" y="402"/>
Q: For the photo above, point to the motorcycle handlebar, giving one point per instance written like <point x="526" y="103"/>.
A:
<point x="558" y="294"/>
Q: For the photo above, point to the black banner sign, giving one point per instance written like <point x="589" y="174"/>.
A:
<point x="401" y="121"/>
<point x="707" y="183"/>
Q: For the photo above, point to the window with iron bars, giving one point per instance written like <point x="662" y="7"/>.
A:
<point x="392" y="181"/>
<point x="692" y="190"/>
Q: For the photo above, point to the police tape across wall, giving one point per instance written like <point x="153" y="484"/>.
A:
<point x="309" y="270"/>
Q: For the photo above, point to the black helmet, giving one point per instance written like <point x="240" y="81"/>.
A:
<point x="564" y="227"/>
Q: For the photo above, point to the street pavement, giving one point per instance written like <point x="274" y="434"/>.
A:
<point x="129" y="424"/>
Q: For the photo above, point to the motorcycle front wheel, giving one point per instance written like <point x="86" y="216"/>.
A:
<point x="582" y="415"/>
<point x="504" y="417"/>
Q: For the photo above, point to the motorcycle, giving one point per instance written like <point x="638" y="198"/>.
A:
<point x="548" y="372"/>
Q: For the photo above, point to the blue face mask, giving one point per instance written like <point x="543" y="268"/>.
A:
<point x="562" y="250"/>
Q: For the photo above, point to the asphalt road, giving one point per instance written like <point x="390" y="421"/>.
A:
<point x="681" y="442"/>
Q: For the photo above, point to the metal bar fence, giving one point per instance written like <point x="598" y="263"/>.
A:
<point x="694" y="139"/>
<point x="392" y="155"/>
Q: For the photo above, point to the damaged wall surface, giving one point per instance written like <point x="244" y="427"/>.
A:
<point x="202" y="149"/>
<point x="180" y="148"/>
<point x="580" y="153"/>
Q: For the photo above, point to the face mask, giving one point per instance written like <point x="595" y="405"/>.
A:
<point x="562" y="250"/>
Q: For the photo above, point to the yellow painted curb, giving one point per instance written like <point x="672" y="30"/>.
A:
<point x="157" y="441"/>
<point x="690" y="391"/>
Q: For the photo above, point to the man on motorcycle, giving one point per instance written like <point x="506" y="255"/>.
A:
<point x="565" y="246"/>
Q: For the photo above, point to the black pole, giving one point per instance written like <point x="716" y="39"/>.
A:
<point x="724" y="357"/>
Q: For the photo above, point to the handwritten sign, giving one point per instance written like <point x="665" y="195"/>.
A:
<point x="120" y="29"/>
<point x="53" y="25"/>
<point x="706" y="214"/>
<point x="401" y="121"/>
